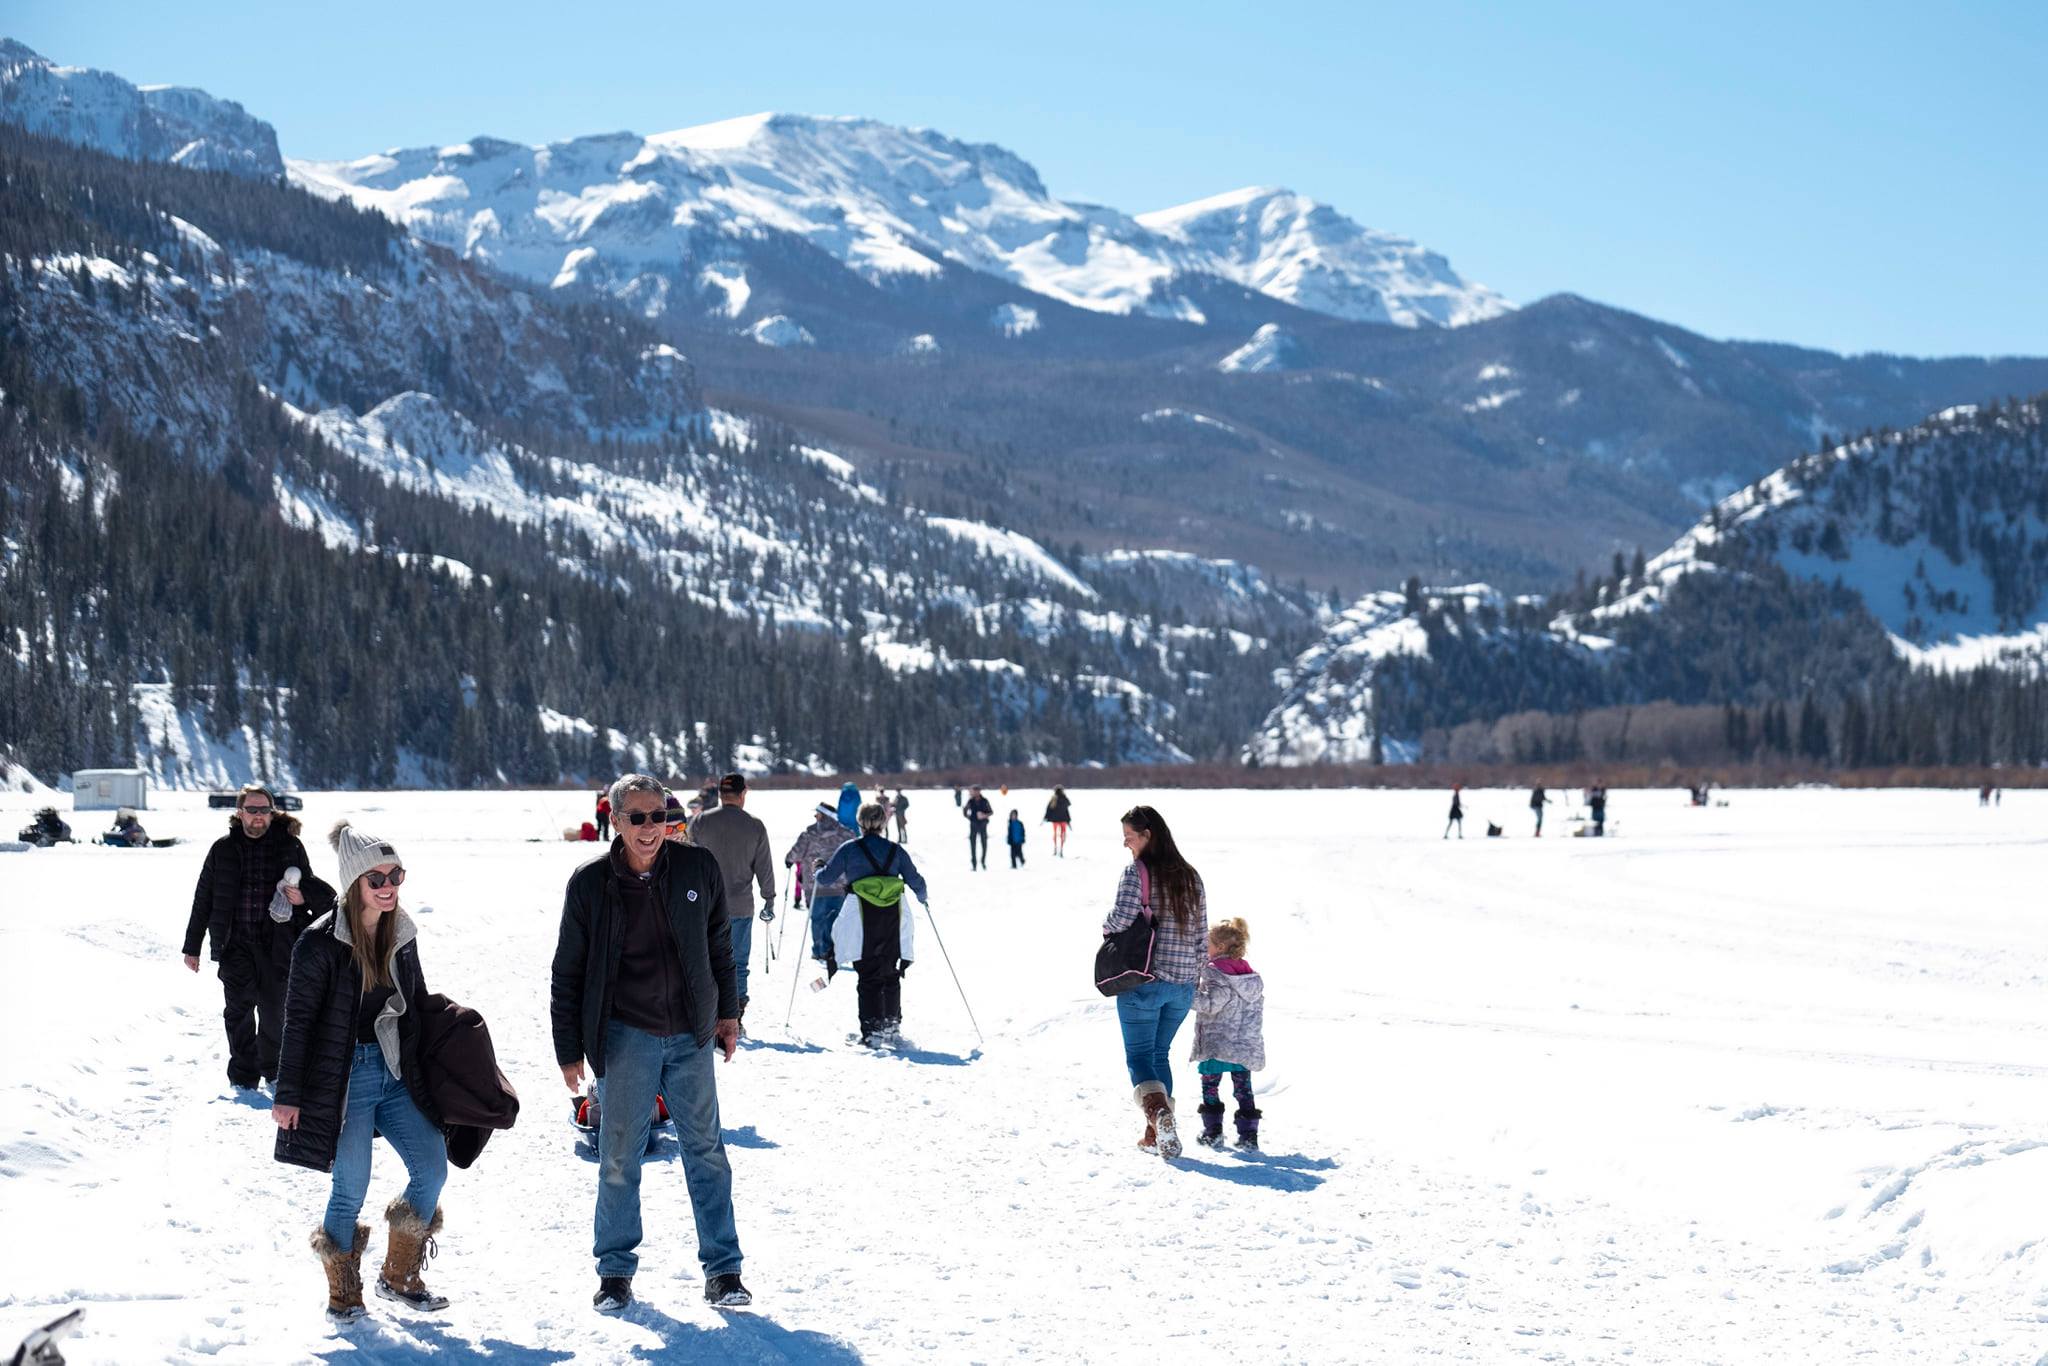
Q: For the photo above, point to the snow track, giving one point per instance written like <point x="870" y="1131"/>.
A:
<point x="1753" y="1083"/>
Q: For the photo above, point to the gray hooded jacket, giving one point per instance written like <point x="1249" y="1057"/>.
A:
<point x="1230" y="1017"/>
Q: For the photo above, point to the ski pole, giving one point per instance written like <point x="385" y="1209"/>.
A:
<point x="940" y="940"/>
<point x="795" y="976"/>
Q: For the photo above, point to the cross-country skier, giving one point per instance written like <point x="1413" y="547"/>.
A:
<point x="873" y="930"/>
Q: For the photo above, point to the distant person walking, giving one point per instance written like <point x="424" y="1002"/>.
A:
<point x="738" y="840"/>
<point x="849" y="805"/>
<point x="1158" y="882"/>
<point x="873" y="931"/>
<point x="1230" y="1032"/>
<point x="956" y="797"/>
<point x="1457" y="811"/>
<point x="1059" y="812"/>
<point x="643" y="986"/>
<point x="244" y="874"/>
<point x="1596" y="801"/>
<point x="604" y="815"/>
<point x="979" y="813"/>
<point x="1537" y="801"/>
<point x="351" y="1070"/>
<point x="813" y="849"/>
<point x="901" y="809"/>
<point x="1015" y="834"/>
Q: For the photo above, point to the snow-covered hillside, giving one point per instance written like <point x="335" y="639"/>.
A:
<point x="143" y="123"/>
<point x="637" y="216"/>
<point x="1293" y="248"/>
<point x="1942" y="529"/>
<point x="1754" y="1083"/>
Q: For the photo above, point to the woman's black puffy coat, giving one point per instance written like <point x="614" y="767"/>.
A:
<point x="320" y="1037"/>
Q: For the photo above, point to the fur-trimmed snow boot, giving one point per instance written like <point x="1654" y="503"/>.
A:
<point x="1248" y="1128"/>
<point x="1212" y="1124"/>
<point x="1158" y="1110"/>
<point x="410" y="1244"/>
<point x="344" y="1268"/>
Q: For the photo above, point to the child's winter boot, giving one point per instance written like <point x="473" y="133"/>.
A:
<point x="1248" y="1128"/>
<point x="344" y="1274"/>
<point x="411" y="1244"/>
<point x="1212" y="1124"/>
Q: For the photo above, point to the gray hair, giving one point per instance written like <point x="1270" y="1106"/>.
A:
<point x="870" y="816"/>
<point x="630" y="783"/>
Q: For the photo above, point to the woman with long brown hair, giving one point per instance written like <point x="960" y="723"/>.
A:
<point x="350" y="1068"/>
<point x="1160" y="883"/>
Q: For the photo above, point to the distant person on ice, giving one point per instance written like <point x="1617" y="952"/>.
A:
<point x="1537" y="801"/>
<point x="1060" y="813"/>
<point x="1158" y="882"/>
<point x="351" y="1070"/>
<point x="1596" y="801"/>
<point x="643" y="986"/>
<point x="243" y="874"/>
<point x="1457" y="811"/>
<point x="738" y="840"/>
<point x="604" y="815"/>
<point x="873" y="929"/>
<point x="849" y="805"/>
<point x="813" y="849"/>
<point x="901" y="808"/>
<point x="979" y="813"/>
<point x="1230" y="1032"/>
<point x="127" y="832"/>
<point x="1015" y="832"/>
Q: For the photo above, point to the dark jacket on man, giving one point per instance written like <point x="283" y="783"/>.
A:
<point x="459" y="1068"/>
<point x="216" y="900"/>
<point x="978" y="810"/>
<point x="739" y="842"/>
<point x="687" y="890"/>
<point x="320" y="1032"/>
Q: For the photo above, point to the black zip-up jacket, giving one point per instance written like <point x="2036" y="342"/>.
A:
<point x="687" y="885"/>
<point x="320" y="1034"/>
<point x="978" y="810"/>
<point x="215" y="900"/>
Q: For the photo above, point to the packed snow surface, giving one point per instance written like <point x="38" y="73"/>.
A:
<point x="1748" y="1083"/>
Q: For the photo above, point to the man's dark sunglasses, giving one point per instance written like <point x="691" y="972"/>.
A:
<point x="379" y="881"/>
<point x="258" y="810"/>
<point x="643" y="817"/>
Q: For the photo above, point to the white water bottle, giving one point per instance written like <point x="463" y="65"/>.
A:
<point x="280" y="907"/>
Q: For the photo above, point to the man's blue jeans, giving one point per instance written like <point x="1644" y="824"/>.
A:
<point x="637" y="1067"/>
<point x="1151" y="1016"/>
<point x="742" y="949"/>
<point x="379" y="1103"/>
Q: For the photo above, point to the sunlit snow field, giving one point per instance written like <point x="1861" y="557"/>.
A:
<point x="1761" y="1082"/>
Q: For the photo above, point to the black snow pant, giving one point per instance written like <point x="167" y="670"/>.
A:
<point x="1016" y="856"/>
<point x="253" y="970"/>
<point x="977" y="844"/>
<point x="879" y="992"/>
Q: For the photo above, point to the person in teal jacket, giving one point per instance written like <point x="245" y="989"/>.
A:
<point x="1016" y="834"/>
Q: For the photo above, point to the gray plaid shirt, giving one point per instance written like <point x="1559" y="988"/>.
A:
<point x="1178" y="952"/>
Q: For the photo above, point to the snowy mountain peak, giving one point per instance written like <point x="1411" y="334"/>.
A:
<point x="1294" y="248"/>
<point x="143" y="123"/>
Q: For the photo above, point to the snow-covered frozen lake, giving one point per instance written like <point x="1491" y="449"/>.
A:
<point x="1762" y="1082"/>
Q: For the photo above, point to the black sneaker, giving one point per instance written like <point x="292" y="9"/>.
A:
<point x="613" y="1294"/>
<point x="726" y="1292"/>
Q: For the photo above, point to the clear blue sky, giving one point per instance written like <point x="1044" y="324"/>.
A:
<point x="1855" y="176"/>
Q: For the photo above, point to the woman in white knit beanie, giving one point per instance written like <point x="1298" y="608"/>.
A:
<point x="349" y="1069"/>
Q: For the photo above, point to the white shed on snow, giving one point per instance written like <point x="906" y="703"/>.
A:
<point x="108" y="789"/>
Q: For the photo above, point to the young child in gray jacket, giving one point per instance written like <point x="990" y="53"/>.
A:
<point x="1230" y="1022"/>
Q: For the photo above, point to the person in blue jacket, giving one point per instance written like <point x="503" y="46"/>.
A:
<point x="873" y="929"/>
<point x="849" y="805"/>
<point x="1016" y="834"/>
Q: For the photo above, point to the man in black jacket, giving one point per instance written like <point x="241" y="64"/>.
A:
<point x="231" y="906"/>
<point x="978" y="813"/>
<point x="644" y="987"/>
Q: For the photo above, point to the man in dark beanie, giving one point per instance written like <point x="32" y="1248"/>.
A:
<point x="248" y="870"/>
<point x="738" y="840"/>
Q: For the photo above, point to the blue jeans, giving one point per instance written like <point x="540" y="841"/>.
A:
<point x="742" y="949"/>
<point x="379" y="1103"/>
<point x="1151" y="1016"/>
<point x="637" y="1067"/>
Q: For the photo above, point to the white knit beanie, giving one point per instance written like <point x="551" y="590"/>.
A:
<point x="359" y="852"/>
